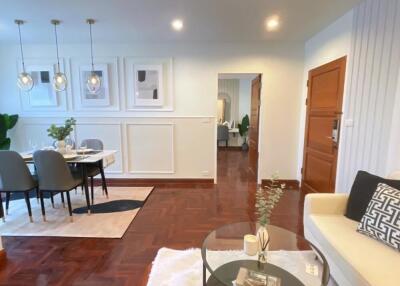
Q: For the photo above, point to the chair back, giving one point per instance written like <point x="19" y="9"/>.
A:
<point x="52" y="171"/>
<point x="222" y="132"/>
<point x="95" y="144"/>
<point x="14" y="173"/>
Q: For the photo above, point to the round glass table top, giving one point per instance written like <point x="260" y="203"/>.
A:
<point x="291" y="259"/>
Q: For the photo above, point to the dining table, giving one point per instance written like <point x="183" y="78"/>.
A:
<point x="82" y="159"/>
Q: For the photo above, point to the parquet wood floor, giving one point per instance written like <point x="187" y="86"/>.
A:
<point x="175" y="217"/>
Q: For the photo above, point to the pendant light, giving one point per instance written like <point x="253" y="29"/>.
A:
<point x="93" y="82"/>
<point x="59" y="80"/>
<point x="24" y="80"/>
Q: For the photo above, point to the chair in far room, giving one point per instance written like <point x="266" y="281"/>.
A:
<point x="94" y="170"/>
<point x="15" y="177"/>
<point x="223" y="134"/>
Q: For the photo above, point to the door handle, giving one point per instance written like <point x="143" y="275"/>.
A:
<point x="335" y="131"/>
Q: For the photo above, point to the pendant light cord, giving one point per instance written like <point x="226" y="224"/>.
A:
<point x="58" y="58"/>
<point x="20" y="45"/>
<point x="91" y="45"/>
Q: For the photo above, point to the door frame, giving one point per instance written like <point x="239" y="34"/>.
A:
<point x="260" y="121"/>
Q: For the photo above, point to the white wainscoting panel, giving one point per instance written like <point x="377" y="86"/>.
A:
<point x="371" y="90"/>
<point x="150" y="148"/>
<point x="110" y="134"/>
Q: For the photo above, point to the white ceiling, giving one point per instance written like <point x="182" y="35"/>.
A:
<point x="125" y="21"/>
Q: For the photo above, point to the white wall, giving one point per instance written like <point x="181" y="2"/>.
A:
<point x="372" y="85"/>
<point x="393" y="158"/>
<point x="196" y="69"/>
<point x="330" y="44"/>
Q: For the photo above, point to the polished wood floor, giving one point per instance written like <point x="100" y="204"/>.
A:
<point x="177" y="217"/>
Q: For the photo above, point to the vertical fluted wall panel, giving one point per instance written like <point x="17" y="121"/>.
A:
<point x="371" y="90"/>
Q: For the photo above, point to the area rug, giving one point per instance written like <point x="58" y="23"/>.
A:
<point x="184" y="267"/>
<point x="110" y="217"/>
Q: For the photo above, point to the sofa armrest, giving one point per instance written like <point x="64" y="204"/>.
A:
<point x="333" y="204"/>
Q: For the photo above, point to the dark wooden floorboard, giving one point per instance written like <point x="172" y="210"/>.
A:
<point x="176" y="217"/>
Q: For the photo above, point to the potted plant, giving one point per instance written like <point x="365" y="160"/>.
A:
<point x="244" y="130"/>
<point x="61" y="132"/>
<point x="266" y="200"/>
<point x="7" y="122"/>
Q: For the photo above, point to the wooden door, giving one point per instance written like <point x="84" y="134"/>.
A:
<point x="253" y="129"/>
<point x="324" y="113"/>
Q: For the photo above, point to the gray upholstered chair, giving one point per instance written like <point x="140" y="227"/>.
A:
<point x="223" y="134"/>
<point x="55" y="177"/>
<point x="95" y="169"/>
<point x="15" y="177"/>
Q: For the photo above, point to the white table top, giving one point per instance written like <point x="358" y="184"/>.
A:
<point x="108" y="157"/>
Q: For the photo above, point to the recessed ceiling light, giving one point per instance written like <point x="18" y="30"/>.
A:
<point x="272" y="23"/>
<point x="177" y="24"/>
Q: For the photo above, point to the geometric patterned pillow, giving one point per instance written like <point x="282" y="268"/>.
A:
<point x="381" y="221"/>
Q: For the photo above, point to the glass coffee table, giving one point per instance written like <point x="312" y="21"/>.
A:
<point x="290" y="257"/>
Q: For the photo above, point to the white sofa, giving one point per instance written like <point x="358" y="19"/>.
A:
<point x="354" y="259"/>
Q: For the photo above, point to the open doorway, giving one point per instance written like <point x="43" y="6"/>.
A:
<point x="238" y="108"/>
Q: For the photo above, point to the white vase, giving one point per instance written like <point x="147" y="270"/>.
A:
<point x="263" y="243"/>
<point x="61" y="146"/>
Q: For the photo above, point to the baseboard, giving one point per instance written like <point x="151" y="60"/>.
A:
<point x="129" y="182"/>
<point x="290" y="184"/>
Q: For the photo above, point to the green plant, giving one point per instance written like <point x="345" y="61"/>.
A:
<point x="7" y="122"/>
<point x="62" y="132"/>
<point x="267" y="199"/>
<point x="244" y="127"/>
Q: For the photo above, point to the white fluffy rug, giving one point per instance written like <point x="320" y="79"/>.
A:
<point x="104" y="225"/>
<point x="184" y="267"/>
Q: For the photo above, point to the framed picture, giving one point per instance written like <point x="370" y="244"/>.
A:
<point x="108" y="97"/>
<point x="102" y="97"/>
<point x="42" y="94"/>
<point x="42" y="97"/>
<point x="149" y="84"/>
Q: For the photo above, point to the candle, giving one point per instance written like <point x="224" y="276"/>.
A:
<point x="250" y="244"/>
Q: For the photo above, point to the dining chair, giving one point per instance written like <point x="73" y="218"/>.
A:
<point x="15" y="177"/>
<point x="55" y="176"/>
<point x="223" y="134"/>
<point x="95" y="169"/>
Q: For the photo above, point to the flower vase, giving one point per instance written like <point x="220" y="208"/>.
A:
<point x="263" y="242"/>
<point x="61" y="146"/>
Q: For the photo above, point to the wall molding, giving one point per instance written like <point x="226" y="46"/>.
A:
<point x="173" y="182"/>
<point x="129" y="152"/>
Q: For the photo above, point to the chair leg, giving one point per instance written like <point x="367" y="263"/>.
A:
<point x="69" y="206"/>
<point x="8" y="196"/>
<point x="1" y="209"/>
<point x="62" y="199"/>
<point x="28" y="204"/>
<point x="52" y="199"/>
<point x="37" y="195"/>
<point x="82" y="190"/>
<point x="42" y="206"/>
<point x="92" y="189"/>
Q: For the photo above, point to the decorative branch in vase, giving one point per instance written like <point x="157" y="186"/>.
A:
<point x="61" y="132"/>
<point x="266" y="200"/>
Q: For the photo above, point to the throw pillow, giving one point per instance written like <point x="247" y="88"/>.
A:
<point x="364" y="187"/>
<point x="382" y="218"/>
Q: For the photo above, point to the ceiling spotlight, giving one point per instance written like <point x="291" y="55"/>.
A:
<point x="177" y="24"/>
<point x="272" y="23"/>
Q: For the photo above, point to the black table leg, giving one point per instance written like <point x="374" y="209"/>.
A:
<point x="1" y="209"/>
<point x="204" y="275"/>
<point x="85" y="183"/>
<point x="103" y="177"/>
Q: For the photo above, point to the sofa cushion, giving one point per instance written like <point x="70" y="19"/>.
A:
<point x="363" y="189"/>
<point x="382" y="218"/>
<point x="361" y="259"/>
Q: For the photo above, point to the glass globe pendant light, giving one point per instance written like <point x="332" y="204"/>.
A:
<point x="59" y="80"/>
<point x="93" y="82"/>
<point x="24" y="80"/>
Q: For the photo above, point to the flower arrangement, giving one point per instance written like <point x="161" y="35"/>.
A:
<point x="266" y="200"/>
<point x="61" y="132"/>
